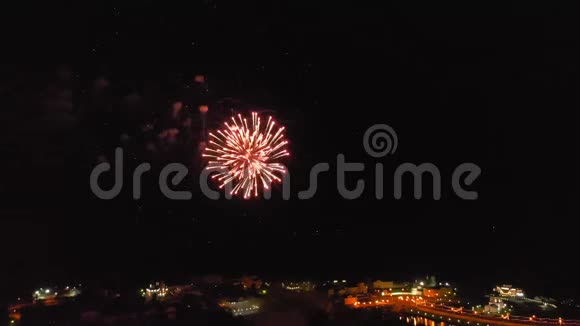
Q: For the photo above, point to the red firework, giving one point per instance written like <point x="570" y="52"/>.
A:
<point x="244" y="154"/>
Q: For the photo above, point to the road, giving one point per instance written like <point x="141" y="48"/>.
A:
<point x="458" y="316"/>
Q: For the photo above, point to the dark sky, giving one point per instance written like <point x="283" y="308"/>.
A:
<point x="496" y="86"/>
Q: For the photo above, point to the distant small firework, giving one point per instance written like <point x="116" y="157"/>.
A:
<point x="245" y="154"/>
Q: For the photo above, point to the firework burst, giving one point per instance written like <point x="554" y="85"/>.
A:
<point x="244" y="154"/>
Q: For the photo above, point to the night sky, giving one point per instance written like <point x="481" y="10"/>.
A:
<point x="496" y="86"/>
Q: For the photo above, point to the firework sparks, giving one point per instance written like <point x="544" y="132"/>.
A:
<point x="244" y="154"/>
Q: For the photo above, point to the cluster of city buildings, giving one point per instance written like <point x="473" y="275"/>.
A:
<point x="504" y="297"/>
<point x="499" y="298"/>
<point x="246" y="295"/>
<point x="374" y="290"/>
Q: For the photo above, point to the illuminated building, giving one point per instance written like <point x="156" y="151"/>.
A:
<point x="496" y="305"/>
<point x="342" y="288"/>
<point x="360" y="288"/>
<point x="378" y="284"/>
<point x="242" y="307"/>
<point x="507" y="291"/>
<point x="392" y="288"/>
<point x="157" y="290"/>
<point x="298" y="286"/>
